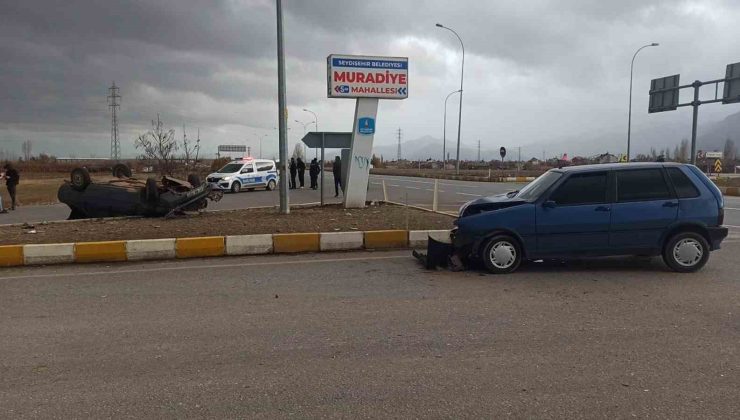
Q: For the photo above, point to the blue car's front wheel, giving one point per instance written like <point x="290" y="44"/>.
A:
<point x="502" y="254"/>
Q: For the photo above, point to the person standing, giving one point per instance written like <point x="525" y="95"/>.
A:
<point x="12" y="177"/>
<point x="313" y="171"/>
<point x="337" y="170"/>
<point x="301" y="167"/>
<point x="292" y="173"/>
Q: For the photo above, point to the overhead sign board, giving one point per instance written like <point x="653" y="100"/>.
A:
<point x="356" y="76"/>
<point x="731" y="93"/>
<point x="239" y="148"/>
<point x="664" y="94"/>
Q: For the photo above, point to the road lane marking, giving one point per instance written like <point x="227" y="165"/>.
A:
<point x="731" y="208"/>
<point x="203" y="267"/>
<point x="474" y="195"/>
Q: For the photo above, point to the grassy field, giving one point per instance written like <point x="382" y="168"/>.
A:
<point x="41" y="188"/>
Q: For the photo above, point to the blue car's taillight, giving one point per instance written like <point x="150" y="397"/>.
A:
<point x="721" y="217"/>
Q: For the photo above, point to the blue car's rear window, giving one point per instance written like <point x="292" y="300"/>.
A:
<point x="682" y="184"/>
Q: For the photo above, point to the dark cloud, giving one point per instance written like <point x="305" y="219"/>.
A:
<point x="534" y="69"/>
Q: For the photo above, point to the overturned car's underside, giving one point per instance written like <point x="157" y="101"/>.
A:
<point x="128" y="196"/>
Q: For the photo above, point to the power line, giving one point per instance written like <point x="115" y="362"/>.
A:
<point x="114" y="104"/>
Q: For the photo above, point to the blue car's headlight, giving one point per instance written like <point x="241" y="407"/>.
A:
<point x="463" y="208"/>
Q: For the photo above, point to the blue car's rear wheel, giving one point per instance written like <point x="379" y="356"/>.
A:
<point x="686" y="252"/>
<point x="502" y="254"/>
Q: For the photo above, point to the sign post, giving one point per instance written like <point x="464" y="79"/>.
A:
<point x="664" y="94"/>
<point x="366" y="79"/>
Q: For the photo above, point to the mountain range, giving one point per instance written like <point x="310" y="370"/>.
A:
<point x="711" y="137"/>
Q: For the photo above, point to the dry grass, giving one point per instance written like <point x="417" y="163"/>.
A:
<point x="40" y="188"/>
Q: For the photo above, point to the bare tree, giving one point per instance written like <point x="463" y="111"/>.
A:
<point x="190" y="150"/>
<point x="27" y="148"/>
<point x="730" y="152"/>
<point x="197" y="147"/>
<point x="158" y="145"/>
<point x="683" y="151"/>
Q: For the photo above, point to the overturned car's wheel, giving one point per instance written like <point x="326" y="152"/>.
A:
<point x="80" y="179"/>
<point x="502" y="254"/>
<point x="194" y="180"/>
<point x="121" y="170"/>
<point x="151" y="191"/>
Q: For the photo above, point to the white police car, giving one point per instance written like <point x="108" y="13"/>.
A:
<point x="247" y="173"/>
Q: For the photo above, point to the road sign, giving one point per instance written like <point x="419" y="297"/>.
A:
<point x="502" y="152"/>
<point x="366" y="126"/>
<point x="623" y="158"/>
<point x="700" y="155"/>
<point x="238" y="148"/>
<point x="732" y="84"/>
<point x="718" y="166"/>
<point x="356" y="76"/>
<point x="714" y="155"/>
<point x="664" y="94"/>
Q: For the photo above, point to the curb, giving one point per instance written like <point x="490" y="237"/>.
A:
<point x="213" y="246"/>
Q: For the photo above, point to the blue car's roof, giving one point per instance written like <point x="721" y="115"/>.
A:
<point x="610" y="166"/>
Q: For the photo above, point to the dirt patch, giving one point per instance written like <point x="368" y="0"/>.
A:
<point x="236" y="222"/>
<point x="727" y="182"/>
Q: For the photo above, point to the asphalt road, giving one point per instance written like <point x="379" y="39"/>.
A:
<point x="370" y="335"/>
<point x="414" y="191"/>
<point x="452" y="194"/>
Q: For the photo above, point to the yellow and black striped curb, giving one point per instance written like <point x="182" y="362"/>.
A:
<point x="213" y="246"/>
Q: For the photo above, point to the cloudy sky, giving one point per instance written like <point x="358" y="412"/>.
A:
<point x="536" y="72"/>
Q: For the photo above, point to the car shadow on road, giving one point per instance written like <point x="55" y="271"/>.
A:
<point x="643" y="264"/>
<point x="601" y="264"/>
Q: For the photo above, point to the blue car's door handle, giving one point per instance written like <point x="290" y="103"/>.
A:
<point x="670" y="204"/>
<point x="602" y="208"/>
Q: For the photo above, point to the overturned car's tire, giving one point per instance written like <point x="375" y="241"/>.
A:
<point x="80" y="178"/>
<point x="194" y="180"/>
<point x="121" y="170"/>
<point x="151" y="191"/>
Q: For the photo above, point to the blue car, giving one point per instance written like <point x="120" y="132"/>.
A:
<point x="645" y="209"/>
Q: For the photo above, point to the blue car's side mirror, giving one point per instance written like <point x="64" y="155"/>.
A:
<point x="549" y="204"/>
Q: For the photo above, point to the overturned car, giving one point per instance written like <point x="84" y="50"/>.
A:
<point x="129" y="196"/>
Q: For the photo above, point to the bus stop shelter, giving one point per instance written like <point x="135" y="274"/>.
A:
<point x="330" y="140"/>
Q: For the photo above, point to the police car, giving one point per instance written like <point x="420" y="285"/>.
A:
<point x="247" y="173"/>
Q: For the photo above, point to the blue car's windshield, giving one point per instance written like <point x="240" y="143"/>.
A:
<point x="532" y="191"/>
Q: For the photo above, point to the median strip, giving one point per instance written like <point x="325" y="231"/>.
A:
<point x="213" y="246"/>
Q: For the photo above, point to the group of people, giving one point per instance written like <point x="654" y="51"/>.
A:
<point x="11" y="177"/>
<point x="298" y="167"/>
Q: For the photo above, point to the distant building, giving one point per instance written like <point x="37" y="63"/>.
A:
<point x="607" y="158"/>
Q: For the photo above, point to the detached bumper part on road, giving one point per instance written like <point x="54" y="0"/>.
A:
<point x="717" y="235"/>
<point x="440" y="254"/>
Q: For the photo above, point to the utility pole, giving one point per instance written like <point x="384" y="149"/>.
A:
<point x="519" y="164"/>
<point x="114" y="104"/>
<point x="398" y="153"/>
<point x="282" y="113"/>
<point x="478" y="150"/>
